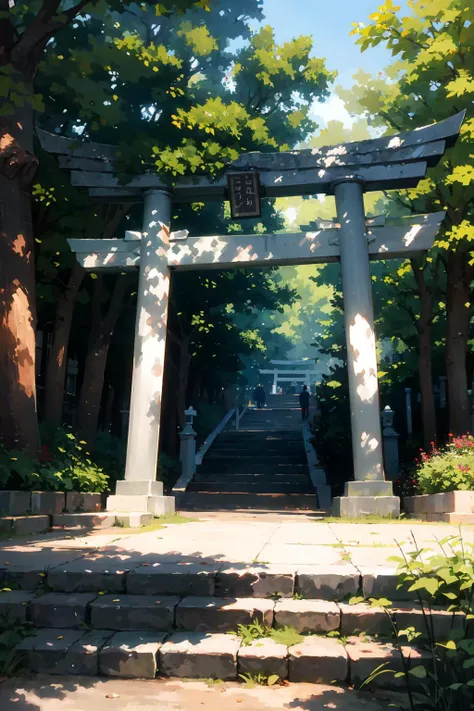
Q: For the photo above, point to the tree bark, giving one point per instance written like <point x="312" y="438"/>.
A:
<point x="457" y="333"/>
<point x="424" y="326"/>
<point x="183" y="378"/>
<point x="18" y="417"/>
<point x="57" y="359"/>
<point x="96" y="359"/>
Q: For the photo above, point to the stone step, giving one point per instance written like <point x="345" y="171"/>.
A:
<point x="251" y="468"/>
<point x="256" y="478"/>
<point x="259" y="448"/>
<point x="97" y="520"/>
<point x="251" y="487"/>
<point x="217" y="656"/>
<point x="84" y="520"/>
<point x="24" y="525"/>
<point x="169" y="574"/>
<point x="151" y="613"/>
<point x="218" y="455"/>
<point x="268" y="439"/>
<point x="198" y="501"/>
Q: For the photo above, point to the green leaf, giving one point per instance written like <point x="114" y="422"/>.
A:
<point x="418" y="672"/>
<point x="273" y="679"/>
<point x="431" y="585"/>
<point x="356" y="600"/>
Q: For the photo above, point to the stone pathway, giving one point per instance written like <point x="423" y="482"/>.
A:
<point x="165" y="600"/>
<point x="245" y="539"/>
<point x="81" y="694"/>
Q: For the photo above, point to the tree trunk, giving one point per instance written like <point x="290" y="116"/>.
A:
<point x="457" y="332"/>
<point x="428" y="412"/>
<point x="91" y="392"/>
<point x="424" y="325"/>
<point x="96" y="359"/>
<point x="183" y="379"/>
<point x="57" y="359"/>
<point x="18" y="417"/>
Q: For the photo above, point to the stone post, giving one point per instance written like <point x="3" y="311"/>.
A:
<point x="187" y="450"/>
<point x="140" y="492"/>
<point x="408" y="408"/>
<point x="369" y="493"/>
<point x="390" y="445"/>
<point x="275" y="382"/>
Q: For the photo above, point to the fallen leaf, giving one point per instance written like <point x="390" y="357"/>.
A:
<point x="101" y="592"/>
<point x="60" y="637"/>
<point x="117" y="600"/>
<point x="112" y="696"/>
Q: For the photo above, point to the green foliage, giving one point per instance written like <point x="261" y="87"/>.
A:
<point x="109" y="454"/>
<point x="12" y="632"/>
<point x="287" y="636"/>
<point x="444" y="578"/>
<point x="169" y="470"/>
<point x="253" y="680"/>
<point x="449" y="468"/>
<point x="249" y="633"/>
<point x="64" y="465"/>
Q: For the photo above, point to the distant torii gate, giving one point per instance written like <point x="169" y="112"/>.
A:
<point x="301" y="373"/>
<point x="346" y="170"/>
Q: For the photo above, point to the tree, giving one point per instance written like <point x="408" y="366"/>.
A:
<point x="432" y="79"/>
<point x="25" y="31"/>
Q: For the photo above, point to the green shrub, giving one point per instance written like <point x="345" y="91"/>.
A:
<point x="109" y="454"/>
<point x="450" y="468"/>
<point x="445" y="681"/>
<point x="63" y="465"/>
<point x="169" y="470"/>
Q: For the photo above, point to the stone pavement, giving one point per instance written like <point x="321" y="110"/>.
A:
<point x="282" y="541"/>
<point x="84" y="694"/>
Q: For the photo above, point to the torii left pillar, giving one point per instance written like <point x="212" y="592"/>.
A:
<point x="140" y="492"/>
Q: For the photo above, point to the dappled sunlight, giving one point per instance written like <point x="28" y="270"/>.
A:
<point x="362" y="343"/>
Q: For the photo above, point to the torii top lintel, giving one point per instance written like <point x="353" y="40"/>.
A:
<point x="389" y="162"/>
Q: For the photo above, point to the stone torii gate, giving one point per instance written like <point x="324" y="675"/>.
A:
<point x="346" y="170"/>
<point x="301" y="372"/>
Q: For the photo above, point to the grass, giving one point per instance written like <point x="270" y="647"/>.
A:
<point x="288" y="636"/>
<point x="372" y="520"/>
<point x="253" y="680"/>
<point x="159" y="523"/>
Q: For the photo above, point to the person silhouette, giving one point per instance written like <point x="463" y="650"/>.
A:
<point x="259" y="396"/>
<point x="304" y="402"/>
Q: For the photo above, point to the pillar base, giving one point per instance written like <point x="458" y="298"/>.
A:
<point x="368" y="488"/>
<point x="360" y="506"/>
<point x="141" y="497"/>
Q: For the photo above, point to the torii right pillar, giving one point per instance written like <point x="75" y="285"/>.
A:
<point x="369" y="493"/>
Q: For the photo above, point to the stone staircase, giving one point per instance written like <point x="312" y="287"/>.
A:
<point x="261" y="466"/>
<point x="91" y="617"/>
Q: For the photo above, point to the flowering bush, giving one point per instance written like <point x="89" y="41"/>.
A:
<point x="450" y="468"/>
<point x="405" y="485"/>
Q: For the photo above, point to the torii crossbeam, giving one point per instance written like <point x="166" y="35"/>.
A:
<point x="346" y="170"/>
